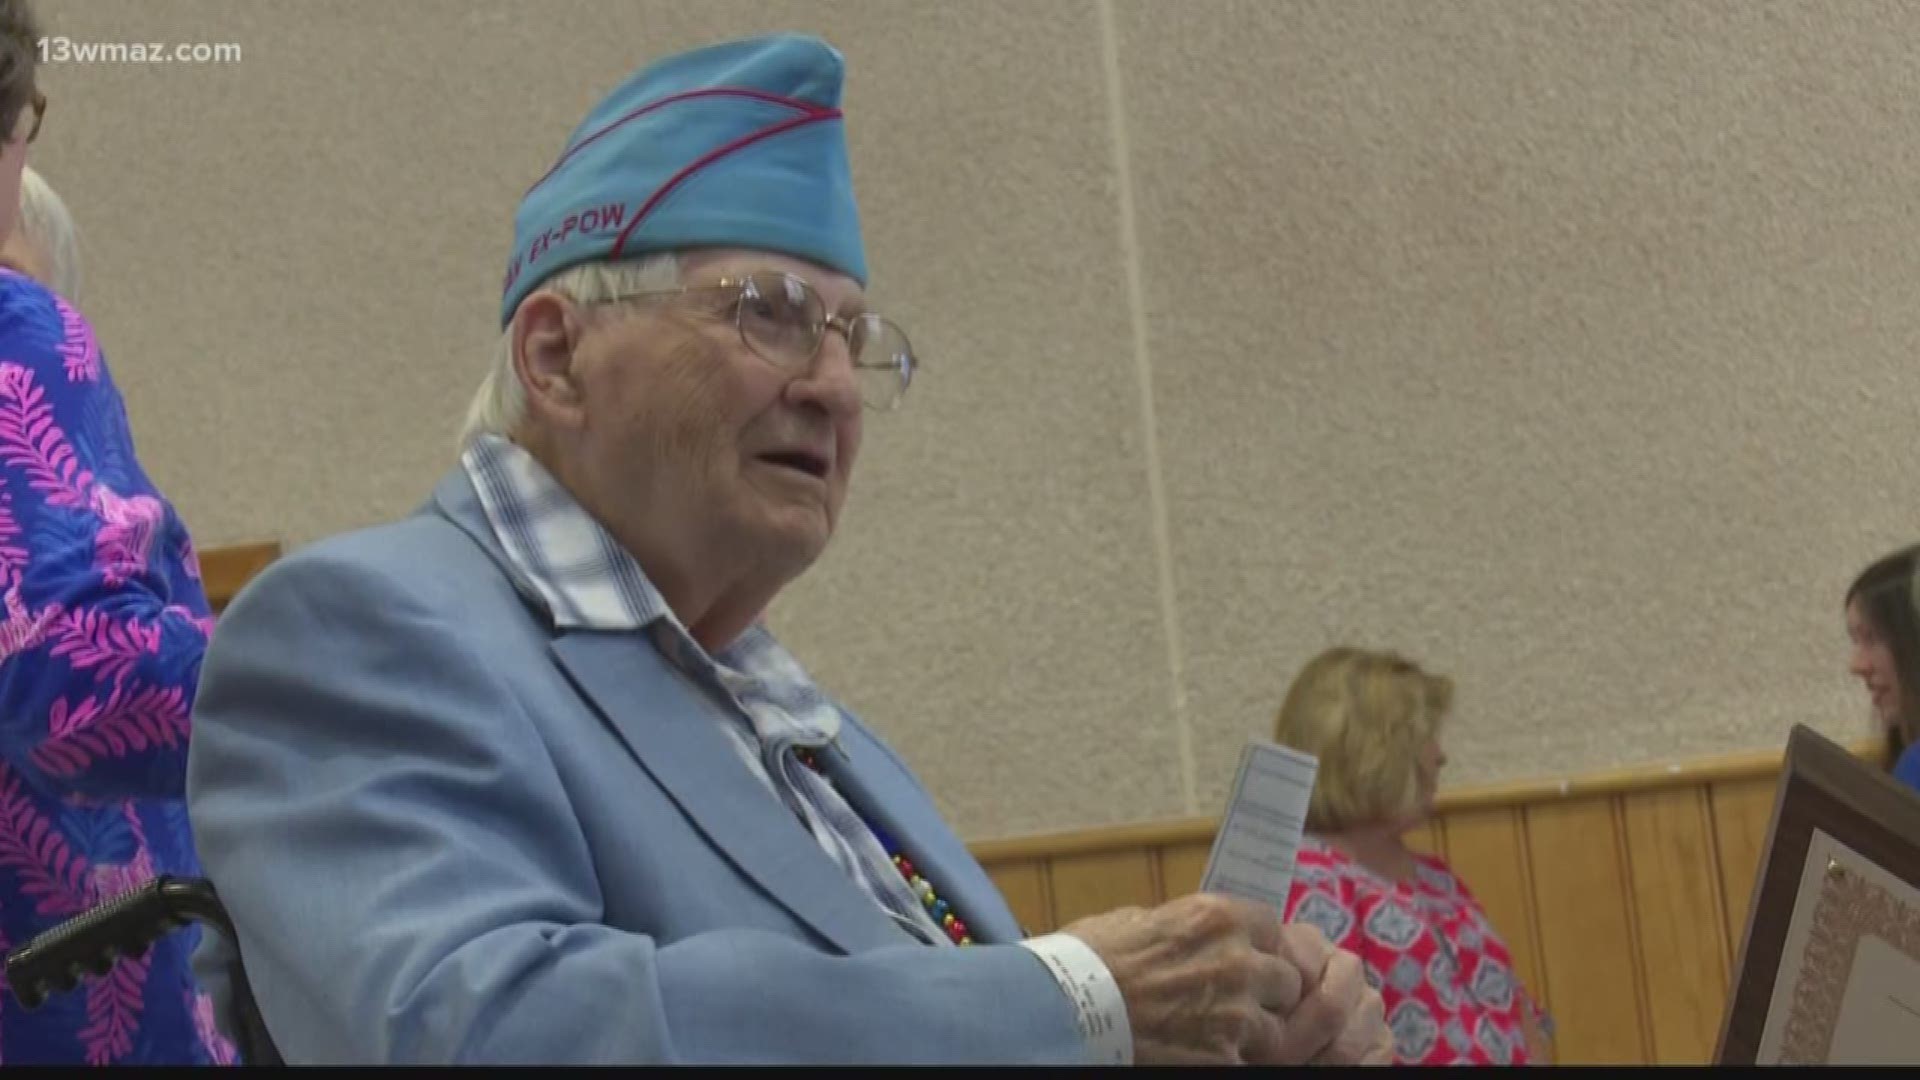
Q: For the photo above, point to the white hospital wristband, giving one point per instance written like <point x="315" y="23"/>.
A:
<point x="1084" y="978"/>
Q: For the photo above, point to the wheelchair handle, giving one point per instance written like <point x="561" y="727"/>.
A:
<point x="126" y="925"/>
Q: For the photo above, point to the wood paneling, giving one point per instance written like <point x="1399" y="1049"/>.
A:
<point x="1742" y="810"/>
<point x="1088" y="884"/>
<point x="1676" y="903"/>
<point x="1181" y="866"/>
<point x="225" y="570"/>
<point x="1580" y="900"/>
<point x="1622" y="895"/>
<point x="1024" y="884"/>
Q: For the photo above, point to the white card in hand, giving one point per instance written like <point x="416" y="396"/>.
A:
<point x="1253" y="851"/>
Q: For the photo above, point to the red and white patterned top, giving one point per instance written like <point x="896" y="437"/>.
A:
<point x="1445" y="976"/>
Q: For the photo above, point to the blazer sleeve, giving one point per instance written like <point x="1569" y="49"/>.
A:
<point x="410" y="885"/>
<point x="98" y="652"/>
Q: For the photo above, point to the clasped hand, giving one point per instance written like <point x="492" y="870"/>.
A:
<point x="1220" y="980"/>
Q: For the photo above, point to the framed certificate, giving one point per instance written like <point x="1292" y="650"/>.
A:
<point x="1829" y="967"/>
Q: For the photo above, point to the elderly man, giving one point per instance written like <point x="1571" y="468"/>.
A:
<point x="524" y="779"/>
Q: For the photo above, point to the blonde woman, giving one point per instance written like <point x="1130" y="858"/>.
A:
<point x="1445" y="976"/>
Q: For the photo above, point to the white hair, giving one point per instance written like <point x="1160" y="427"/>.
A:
<point x="45" y="224"/>
<point x="500" y="405"/>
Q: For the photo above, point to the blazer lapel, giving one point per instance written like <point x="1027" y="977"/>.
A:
<point x="877" y="787"/>
<point x="673" y="731"/>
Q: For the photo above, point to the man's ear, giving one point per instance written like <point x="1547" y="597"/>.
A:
<point x="546" y="334"/>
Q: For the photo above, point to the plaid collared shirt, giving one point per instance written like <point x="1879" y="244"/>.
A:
<point x="565" y="561"/>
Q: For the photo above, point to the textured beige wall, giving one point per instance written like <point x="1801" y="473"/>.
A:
<point x="1567" y="346"/>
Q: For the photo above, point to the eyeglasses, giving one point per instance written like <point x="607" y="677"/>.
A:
<point x="784" y="321"/>
<point x="39" y="107"/>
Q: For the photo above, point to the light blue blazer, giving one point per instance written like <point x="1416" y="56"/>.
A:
<point x="448" y="833"/>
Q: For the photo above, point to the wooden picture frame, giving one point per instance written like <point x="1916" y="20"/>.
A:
<point x="1830" y="961"/>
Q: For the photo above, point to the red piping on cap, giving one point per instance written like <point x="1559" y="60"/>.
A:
<point x="806" y="107"/>
<point x="711" y="156"/>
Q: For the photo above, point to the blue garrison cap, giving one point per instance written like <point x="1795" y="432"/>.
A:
<point x="735" y="145"/>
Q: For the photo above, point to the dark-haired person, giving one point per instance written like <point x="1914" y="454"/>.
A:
<point x="1884" y="626"/>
